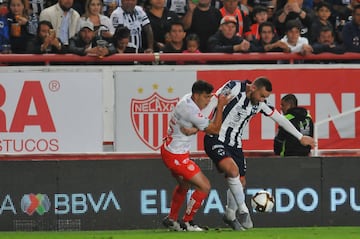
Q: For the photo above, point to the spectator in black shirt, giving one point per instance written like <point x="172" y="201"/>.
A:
<point x="87" y="43"/>
<point x="268" y="42"/>
<point x="45" y="41"/>
<point x="177" y="35"/>
<point x="292" y="10"/>
<point x="286" y="144"/>
<point x="226" y="40"/>
<point x="326" y="42"/>
<point x="160" y="19"/>
<point x="351" y="32"/>
<point x="202" y="19"/>
<point x="323" y="13"/>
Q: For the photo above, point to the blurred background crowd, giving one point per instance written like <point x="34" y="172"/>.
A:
<point x="106" y="27"/>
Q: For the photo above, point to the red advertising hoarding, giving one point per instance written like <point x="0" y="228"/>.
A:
<point x="324" y="92"/>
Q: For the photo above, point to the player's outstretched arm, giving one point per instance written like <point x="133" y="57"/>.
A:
<point x="307" y="140"/>
<point x="289" y="127"/>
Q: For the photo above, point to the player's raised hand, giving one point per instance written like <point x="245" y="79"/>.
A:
<point x="307" y="140"/>
<point x="224" y="99"/>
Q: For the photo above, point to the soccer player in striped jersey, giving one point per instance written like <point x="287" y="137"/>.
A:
<point x="225" y="148"/>
<point x="185" y="122"/>
<point x="134" y="17"/>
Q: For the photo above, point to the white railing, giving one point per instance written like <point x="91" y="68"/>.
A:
<point x="318" y="123"/>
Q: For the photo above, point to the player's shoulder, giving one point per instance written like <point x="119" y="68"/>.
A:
<point x="266" y="105"/>
<point x="186" y="101"/>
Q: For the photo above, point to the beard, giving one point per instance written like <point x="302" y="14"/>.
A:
<point x="65" y="8"/>
<point x="203" y="5"/>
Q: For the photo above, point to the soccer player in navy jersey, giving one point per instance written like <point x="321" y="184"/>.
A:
<point x="225" y="148"/>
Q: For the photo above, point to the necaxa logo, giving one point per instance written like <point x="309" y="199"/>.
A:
<point x="150" y="117"/>
<point x="31" y="203"/>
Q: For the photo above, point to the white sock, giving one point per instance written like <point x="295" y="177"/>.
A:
<point x="237" y="191"/>
<point x="231" y="206"/>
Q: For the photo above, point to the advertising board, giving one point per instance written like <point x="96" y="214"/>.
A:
<point x="51" y="112"/>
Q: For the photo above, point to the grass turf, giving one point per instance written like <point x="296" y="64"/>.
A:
<point x="257" y="233"/>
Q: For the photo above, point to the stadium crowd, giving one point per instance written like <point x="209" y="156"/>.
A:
<point x="106" y="27"/>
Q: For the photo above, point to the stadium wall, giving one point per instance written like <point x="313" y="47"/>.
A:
<point x="102" y="192"/>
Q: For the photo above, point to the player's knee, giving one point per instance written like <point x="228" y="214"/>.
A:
<point x="232" y="172"/>
<point x="243" y="181"/>
<point x="206" y="187"/>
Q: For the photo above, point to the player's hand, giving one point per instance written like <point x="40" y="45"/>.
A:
<point x="224" y="99"/>
<point x="307" y="140"/>
<point x="189" y="131"/>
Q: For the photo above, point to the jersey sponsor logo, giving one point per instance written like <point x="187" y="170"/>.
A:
<point x="150" y="118"/>
<point x="191" y="167"/>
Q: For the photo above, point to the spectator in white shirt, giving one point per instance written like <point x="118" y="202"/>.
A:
<point x="295" y="42"/>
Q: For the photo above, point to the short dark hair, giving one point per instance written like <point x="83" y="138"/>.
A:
<point x="293" y="24"/>
<point x="323" y="4"/>
<point x="266" y="24"/>
<point x="201" y="86"/>
<point x="121" y="32"/>
<point x="176" y="23"/>
<point x="193" y="37"/>
<point x="44" y="22"/>
<point x="290" y="98"/>
<point x="262" y="81"/>
<point x="327" y="29"/>
<point x="257" y="9"/>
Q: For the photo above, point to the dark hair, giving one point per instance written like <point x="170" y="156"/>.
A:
<point x="262" y="81"/>
<point x="174" y="23"/>
<point x="24" y="2"/>
<point x="121" y="32"/>
<point x="323" y="4"/>
<point x="290" y="98"/>
<point x="201" y="86"/>
<point x="44" y="22"/>
<point x="266" y="24"/>
<point x="257" y="9"/>
<point x="327" y="29"/>
<point x="193" y="37"/>
<point x="356" y="8"/>
<point x="293" y="24"/>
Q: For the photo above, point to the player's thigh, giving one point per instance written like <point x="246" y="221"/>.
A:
<point x="215" y="149"/>
<point x="238" y="157"/>
<point x="180" y="165"/>
<point x="200" y="182"/>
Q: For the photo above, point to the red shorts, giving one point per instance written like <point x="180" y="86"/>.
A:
<point x="179" y="164"/>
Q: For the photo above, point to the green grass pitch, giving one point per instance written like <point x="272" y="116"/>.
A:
<point x="256" y="233"/>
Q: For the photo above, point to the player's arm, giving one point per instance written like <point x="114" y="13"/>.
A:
<point x="189" y="131"/>
<point x="289" y="127"/>
<point x="215" y="125"/>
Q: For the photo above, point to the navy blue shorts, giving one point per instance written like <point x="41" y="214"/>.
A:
<point x="217" y="151"/>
